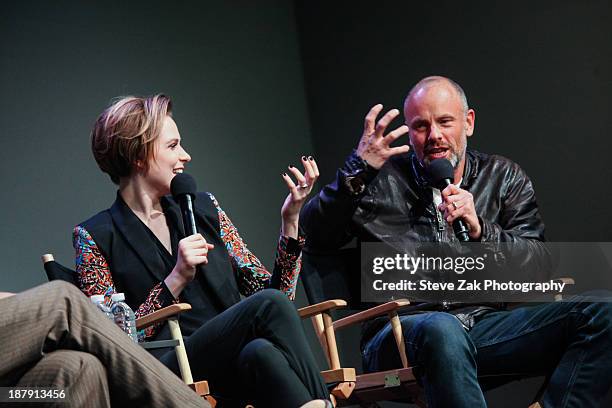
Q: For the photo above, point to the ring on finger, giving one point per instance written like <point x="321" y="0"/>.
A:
<point x="305" y="185"/>
<point x="458" y="205"/>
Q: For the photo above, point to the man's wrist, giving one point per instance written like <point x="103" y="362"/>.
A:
<point x="489" y="231"/>
<point x="476" y="234"/>
<point x="357" y="174"/>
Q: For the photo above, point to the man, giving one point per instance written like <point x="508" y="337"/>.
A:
<point x="382" y="194"/>
<point x="52" y="335"/>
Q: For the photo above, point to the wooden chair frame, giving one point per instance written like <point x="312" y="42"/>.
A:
<point x="366" y="389"/>
<point x="362" y="389"/>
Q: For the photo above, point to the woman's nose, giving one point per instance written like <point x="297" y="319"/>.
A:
<point x="185" y="156"/>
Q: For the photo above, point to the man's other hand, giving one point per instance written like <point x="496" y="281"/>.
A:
<point x="459" y="203"/>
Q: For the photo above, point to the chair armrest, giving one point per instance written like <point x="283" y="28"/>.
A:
<point x="371" y="313"/>
<point x="161" y="315"/>
<point x="312" y="310"/>
<point x="567" y="281"/>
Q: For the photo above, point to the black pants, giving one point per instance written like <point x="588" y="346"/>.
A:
<point x="254" y="352"/>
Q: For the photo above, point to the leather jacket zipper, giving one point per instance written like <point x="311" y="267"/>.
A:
<point x="439" y="223"/>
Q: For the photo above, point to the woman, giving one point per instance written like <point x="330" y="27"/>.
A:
<point x="249" y="350"/>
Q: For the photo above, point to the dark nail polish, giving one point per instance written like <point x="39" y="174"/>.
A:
<point x="310" y="158"/>
<point x="283" y="174"/>
<point x="304" y="158"/>
<point x="290" y="166"/>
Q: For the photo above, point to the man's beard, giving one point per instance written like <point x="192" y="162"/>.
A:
<point x="454" y="157"/>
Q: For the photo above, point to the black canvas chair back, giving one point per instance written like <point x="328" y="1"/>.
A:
<point x="57" y="271"/>
<point x="333" y="275"/>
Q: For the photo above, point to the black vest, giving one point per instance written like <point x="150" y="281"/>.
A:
<point x="137" y="266"/>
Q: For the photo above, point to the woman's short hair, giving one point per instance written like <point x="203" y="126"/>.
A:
<point x="126" y="132"/>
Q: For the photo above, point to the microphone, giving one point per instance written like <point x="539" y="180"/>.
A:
<point x="183" y="188"/>
<point x="440" y="172"/>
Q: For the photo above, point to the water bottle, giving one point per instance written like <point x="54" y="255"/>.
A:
<point x="124" y="316"/>
<point x="98" y="300"/>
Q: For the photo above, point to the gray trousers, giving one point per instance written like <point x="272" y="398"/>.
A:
<point x="52" y="335"/>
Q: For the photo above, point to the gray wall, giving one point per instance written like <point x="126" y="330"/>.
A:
<point x="233" y="71"/>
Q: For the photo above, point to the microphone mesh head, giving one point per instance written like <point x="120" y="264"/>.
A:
<point x="439" y="170"/>
<point x="183" y="184"/>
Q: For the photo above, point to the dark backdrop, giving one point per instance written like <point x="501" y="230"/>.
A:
<point x="537" y="74"/>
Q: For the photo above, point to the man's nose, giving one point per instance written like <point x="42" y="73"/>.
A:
<point x="435" y="133"/>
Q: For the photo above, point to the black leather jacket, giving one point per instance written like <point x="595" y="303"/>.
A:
<point x="397" y="207"/>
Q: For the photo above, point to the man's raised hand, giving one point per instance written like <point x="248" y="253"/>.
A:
<point x="374" y="146"/>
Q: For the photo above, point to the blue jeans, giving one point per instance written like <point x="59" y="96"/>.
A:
<point x="570" y="342"/>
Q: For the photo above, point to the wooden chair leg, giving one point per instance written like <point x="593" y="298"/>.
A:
<point x="324" y="329"/>
<point x="200" y="387"/>
<point x="181" y="353"/>
<point x="319" y="329"/>
<point x="330" y="337"/>
<point x="211" y="400"/>
<point x="343" y="390"/>
<point x="396" y="325"/>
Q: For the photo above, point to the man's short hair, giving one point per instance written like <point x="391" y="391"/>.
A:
<point x="126" y="132"/>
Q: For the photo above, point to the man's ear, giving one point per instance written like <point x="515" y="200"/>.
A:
<point x="470" y="120"/>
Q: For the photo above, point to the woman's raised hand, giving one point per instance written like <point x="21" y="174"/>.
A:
<point x="298" y="191"/>
<point x="192" y="251"/>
